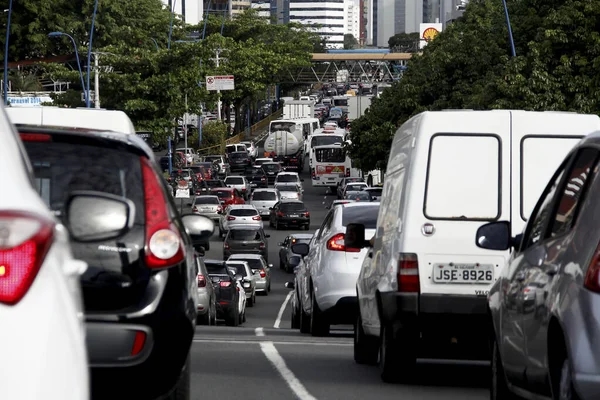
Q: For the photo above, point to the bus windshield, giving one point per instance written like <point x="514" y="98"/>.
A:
<point x="340" y="102"/>
<point x="330" y="155"/>
<point x="325" y="140"/>
<point x="283" y="126"/>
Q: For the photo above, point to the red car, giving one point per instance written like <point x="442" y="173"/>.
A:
<point x="200" y="172"/>
<point x="228" y="196"/>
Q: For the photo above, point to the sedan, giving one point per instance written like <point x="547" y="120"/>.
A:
<point x="264" y="200"/>
<point x="240" y="184"/>
<point x="240" y="215"/>
<point x="247" y="240"/>
<point x="285" y="252"/>
<point x="375" y="192"/>
<point x="209" y="206"/>
<point x="259" y="267"/>
<point x="228" y="196"/>
<point x="256" y="177"/>
<point x="288" y="213"/>
<point x="288" y="191"/>
<point x="272" y="169"/>
<point x="354" y="187"/>
<point x="242" y="269"/>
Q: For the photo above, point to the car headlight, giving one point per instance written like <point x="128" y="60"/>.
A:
<point x="246" y="285"/>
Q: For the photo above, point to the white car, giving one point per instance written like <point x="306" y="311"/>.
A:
<point x="249" y="280"/>
<point x="289" y="191"/>
<point x="260" y="161"/>
<point x="354" y="187"/>
<point x="240" y="183"/>
<point x="41" y="308"/>
<point x="289" y="178"/>
<point x="252" y="150"/>
<point x="264" y="200"/>
<point x="332" y="268"/>
<point x="190" y="156"/>
<point x="240" y="214"/>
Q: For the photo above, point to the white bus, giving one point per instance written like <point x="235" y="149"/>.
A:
<point x="329" y="164"/>
<point x="323" y="138"/>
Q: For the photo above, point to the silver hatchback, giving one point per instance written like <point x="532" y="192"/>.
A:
<point x="264" y="200"/>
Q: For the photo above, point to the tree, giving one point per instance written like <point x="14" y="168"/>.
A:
<point x="404" y="42"/>
<point x="350" y="41"/>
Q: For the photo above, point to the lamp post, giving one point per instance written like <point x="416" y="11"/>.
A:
<point x="510" y="35"/>
<point x="89" y="56"/>
<point x="171" y="25"/>
<point x="57" y="34"/>
<point x="6" y="54"/>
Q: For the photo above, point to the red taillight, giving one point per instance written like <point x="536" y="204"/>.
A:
<point x="201" y="280"/>
<point x="262" y="245"/>
<point x="226" y="246"/>
<point x="35" y="137"/>
<point x="163" y="242"/>
<point x="138" y="342"/>
<point x="262" y="273"/>
<point x="230" y="218"/>
<point x="225" y="283"/>
<point x="312" y="171"/>
<point x="195" y="209"/>
<point x="336" y="243"/>
<point x="237" y="288"/>
<point x="347" y="171"/>
<point x="408" y="273"/>
<point x="263" y="179"/>
<point x="307" y="214"/>
<point x="592" y="276"/>
<point x="279" y="214"/>
<point x="256" y="218"/>
<point x="219" y="208"/>
<point x="25" y="242"/>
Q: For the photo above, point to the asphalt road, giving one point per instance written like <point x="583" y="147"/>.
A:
<point x="264" y="359"/>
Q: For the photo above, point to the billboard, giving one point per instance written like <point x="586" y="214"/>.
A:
<point x="428" y="32"/>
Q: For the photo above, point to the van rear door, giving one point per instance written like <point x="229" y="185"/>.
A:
<point x="540" y="142"/>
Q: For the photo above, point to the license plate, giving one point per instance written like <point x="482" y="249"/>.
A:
<point x="294" y="216"/>
<point x="463" y="273"/>
<point x="253" y="185"/>
<point x="331" y="179"/>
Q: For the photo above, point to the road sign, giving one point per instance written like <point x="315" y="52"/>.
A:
<point x="220" y="82"/>
<point x="83" y="95"/>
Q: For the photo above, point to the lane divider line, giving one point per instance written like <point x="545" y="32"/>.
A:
<point x="291" y="343"/>
<point x="269" y="350"/>
<point x="259" y="332"/>
<point x="281" y="310"/>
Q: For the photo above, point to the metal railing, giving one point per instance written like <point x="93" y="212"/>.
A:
<point x="263" y="123"/>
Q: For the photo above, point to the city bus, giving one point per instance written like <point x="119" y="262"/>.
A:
<point x="324" y="137"/>
<point x="329" y="164"/>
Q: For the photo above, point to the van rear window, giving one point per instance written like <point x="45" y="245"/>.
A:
<point x="463" y="177"/>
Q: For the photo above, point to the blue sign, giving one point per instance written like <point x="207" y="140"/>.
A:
<point x="28" y="101"/>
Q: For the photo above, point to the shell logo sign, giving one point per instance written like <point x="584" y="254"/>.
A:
<point x="430" y="33"/>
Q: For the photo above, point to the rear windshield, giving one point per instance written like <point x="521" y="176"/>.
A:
<point x="293" y="207"/>
<point x="243" y="212"/>
<point x="287" y="178"/>
<point x="271" y="167"/>
<point x="287" y="188"/>
<point x="330" y="155"/>
<point x="240" y="269"/>
<point x="361" y="215"/>
<point x="244" y="234"/>
<point x="325" y="140"/>
<point x="212" y="159"/>
<point x="355" y="188"/>
<point x="215" y="269"/>
<point x="61" y="168"/>
<point x="254" y="263"/>
<point x="264" y="196"/>
<point x="207" y="200"/>
<point x="211" y="183"/>
<point x="223" y="194"/>
<point x="360" y="196"/>
<point x="234" y="181"/>
<point x="238" y="155"/>
<point x="255" y="171"/>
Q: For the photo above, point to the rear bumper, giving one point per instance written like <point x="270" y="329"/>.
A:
<point x="440" y="326"/>
<point x="224" y="307"/>
<point x="228" y="253"/>
<point x="293" y="221"/>
<point x="344" y="311"/>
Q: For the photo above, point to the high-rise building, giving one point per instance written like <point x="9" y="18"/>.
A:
<point x="364" y="17"/>
<point x="264" y="8"/>
<point x="353" y="13"/>
<point x="191" y="11"/>
<point x="238" y="6"/>
<point x="400" y="16"/>
<point x="326" y="17"/>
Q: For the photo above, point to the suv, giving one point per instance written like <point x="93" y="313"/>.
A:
<point x="239" y="161"/>
<point x="220" y="162"/>
<point x="142" y="278"/>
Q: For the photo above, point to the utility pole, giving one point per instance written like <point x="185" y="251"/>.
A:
<point x="185" y="128"/>
<point x="217" y="60"/>
<point x="96" y="81"/>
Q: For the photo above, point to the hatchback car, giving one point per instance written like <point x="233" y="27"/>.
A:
<point x="358" y="196"/>
<point x="271" y="169"/>
<point x="228" y="196"/>
<point x="240" y="184"/>
<point x="141" y="281"/>
<point x="342" y="185"/>
<point x="260" y="268"/>
<point x="287" y="191"/>
<point x="247" y="240"/>
<point x="264" y="200"/>
<point x="288" y="178"/>
<point x="209" y="206"/>
<point x="260" y="161"/>
<point x="227" y="295"/>
<point x="242" y="269"/>
<point x="288" y="213"/>
<point x="256" y="177"/>
<point x="239" y="161"/>
<point x="239" y="214"/>
<point x="354" y="187"/>
<point x="207" y="299"/>
<point x="285" y="251"/>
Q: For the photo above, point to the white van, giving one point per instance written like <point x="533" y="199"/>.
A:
<point x="448" y="173"/>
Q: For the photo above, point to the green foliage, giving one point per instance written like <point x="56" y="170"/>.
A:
<point x="404" y="42"/>
<point x="214" y="133"/>
<point x="350" y="41"/>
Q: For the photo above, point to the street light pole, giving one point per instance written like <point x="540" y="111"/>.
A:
<point x="6" y="54"/>
<point x="171" y="25"/>
<point x="510" y="34"/>
<point x="56" y="34"/>
<point x="89" y="56"/>
<point x="96" y="81"/>
<point x="218" y="91"/>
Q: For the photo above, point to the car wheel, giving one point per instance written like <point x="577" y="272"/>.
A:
<point x="244" y="316"/>
<point x="304" y="321"/>
<point x="281" y="264"/>
<point x="319" y="326"/>
<point x="366" y="347"/>
<point x="233" y="318"/>
<point x="276" y="225"/>
<point x="181" y="391"/>
<point x="295" y="318"/>
<point x="207" y="247"/>
<point x="498" y="385"/>
<point x="395" y="366"/>
<point x="306" y="227"/>
<point x="270" y="222"/>
<point x="251" y="302"/>
<point x="204" y="319"/>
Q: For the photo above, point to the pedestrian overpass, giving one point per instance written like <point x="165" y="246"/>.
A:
<point x="365" y="67"/>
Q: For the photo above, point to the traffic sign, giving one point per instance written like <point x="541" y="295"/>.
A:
<point x="220" y="82"/>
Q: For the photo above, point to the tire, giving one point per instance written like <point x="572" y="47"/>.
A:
<point x="214" y="316"/>
<point x="395" y="365"/>
<point x="566" y="391"/>
<point x="276" y="225"/>
<point x="251" y="301"/>
<point x="207" y="247"/>
<point x="319" y="326"/>
<point x="498" y="385"/>
<point x="233" y="319"/>
<point x="306" y="227"/>
<point x="366" y="347"/>
<point x="304" y="321"/>
<point x="269" y="287"/>
<point x="182" y="390"/>
<point x="295" y="321"/>
<point x="270" y="222"/>
<point x="282" y="265"/>
<point x="204" y="319"/>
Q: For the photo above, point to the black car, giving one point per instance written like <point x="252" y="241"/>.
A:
<point x="271" y="170"/>
<point x="256" y="177"/>
<point x="138" y="290"/>
<point x="288" y="213"/>
<point x="226" y="291"/>
<point x="239" y="160"/>
<point x="246" y="239"/>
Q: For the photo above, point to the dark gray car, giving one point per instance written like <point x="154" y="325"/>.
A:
<point x="244" y="239"/>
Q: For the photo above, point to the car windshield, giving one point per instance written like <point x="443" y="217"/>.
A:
<point x="287" y="178"/>
<point x="325" y="140"/>
<point x="244" y="234"/>
<point x="206" y="200"/>
<point x="238" y="156"/>
<point x="271" y="167"/>
<point x="254" y="263"/>
<point x="289" y="207"/>
<point x="223" y="194"/>
<point x="240" y="269"/>
<point x="355" y="188"/>
<point x="366" y="215"/>
<point x="264" y="196"/>
<point x="234" y="181"/>
<point x="287" y="188"/>
<point x="243" y="212"/>
<point x="215" y="268"/>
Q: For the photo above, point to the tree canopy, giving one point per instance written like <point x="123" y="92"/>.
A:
<point x="404" y="42"/>
<point x="350" y="41"/>
<point x="469" y="66"/>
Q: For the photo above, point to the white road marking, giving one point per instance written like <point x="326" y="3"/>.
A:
<point x="269" y="350"/>
<point x="259" y="332"/>
<point x="294" y="343"/>
<point x="282" y="309"/>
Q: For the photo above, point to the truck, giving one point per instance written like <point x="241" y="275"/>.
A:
<point x="298" y="109"/>
<point x="357" y="105"/>
<point x="287" y="148"/>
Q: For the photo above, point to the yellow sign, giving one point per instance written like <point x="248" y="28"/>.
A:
<point x="430" y="33"/>
<point x="337" y="170"/>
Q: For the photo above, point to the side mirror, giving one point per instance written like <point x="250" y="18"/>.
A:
<point x="494" y="236"/>
<point x="270" y="208"/>
<point x="93" y="216"/>
<point x="301" y="249"/>
<point x="290" y="285"/>
<point x="355" y="236"/>
<point x="199" y="228"/>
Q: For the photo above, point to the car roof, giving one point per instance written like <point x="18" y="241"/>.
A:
<point x="289" y="201"/>
<point x="360" y="204"/>
<point x="236" y="261"/>
<point x="213" y="261"/>
<point x="287" y="173"/>
<point x="242" y="206"/>
<point x="246" y="227"/>
<point x="234" y="176"/>
<point x="264" y="190"/>
<point x="221" y="188"/>
<point x="242" y="256"/>
<point x="206" y="195"/>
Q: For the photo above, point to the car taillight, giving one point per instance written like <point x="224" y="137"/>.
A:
<point x="230" y="218"/>
<point x="263" y="179"/>
<point x="408" y="273"/>
<point x="347" y="171"/>
<point x="312" y="170"/>
<point x="195" y="209"/>
<point x="225" y="283"/>
<point x="25" y="240"/>
<point x="279" y="214"/>
<point x="262" y="273"/>
<point x="592" y="276"/>
<point x="219" y="208"/>
<point x="201" y="281"/>
<point x="163" y="242"/>
<point x="256" y="218"/>
<point x="336" y="243"/>
<point x="307" y="214"/>
<point x="226" y="246"/>
<point x="35" y="137"/>
<point x="262" y="245"/>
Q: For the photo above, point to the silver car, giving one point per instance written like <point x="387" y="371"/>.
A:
<point x="289" y="191"/>
<point x="240" y="183"/>
<point x="207" y="308"/>
<point x="240" y="214"/>
<point x="375" y="192"/>
<point x="248" y="279"/>
<point x="264" y="200"/>
<point x="209" y="206"/>
<point x="259" y="267"/>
